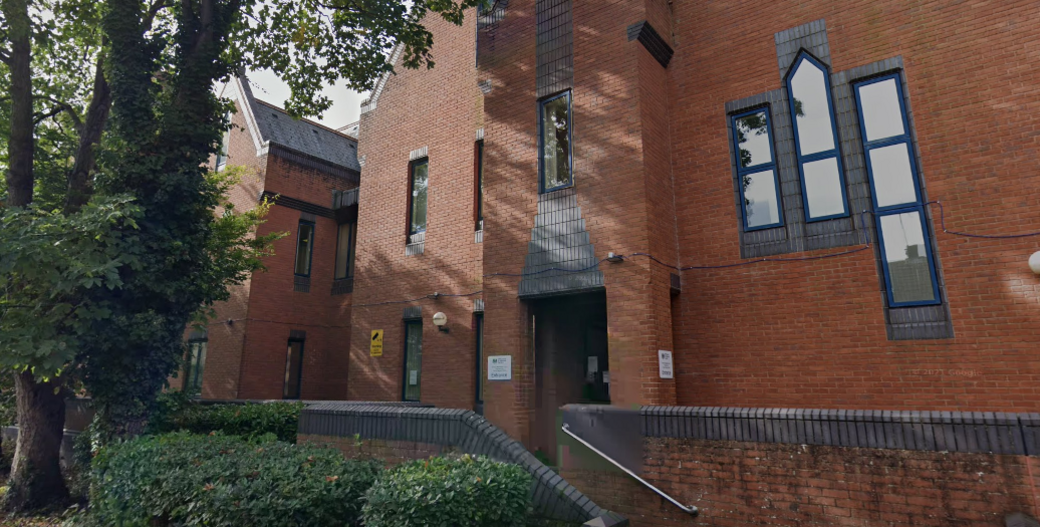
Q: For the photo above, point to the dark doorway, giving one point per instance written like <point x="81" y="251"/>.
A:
<point x="571" y="361"/>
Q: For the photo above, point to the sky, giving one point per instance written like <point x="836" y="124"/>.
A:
<point x="346" y="104"/>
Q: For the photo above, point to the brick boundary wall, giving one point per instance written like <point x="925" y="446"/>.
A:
<point x="398" y="433"/>
<point x="751" y="466"/>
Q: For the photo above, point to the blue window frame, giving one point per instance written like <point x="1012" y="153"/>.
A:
<point x="816" y="140"/>
<point x="555" y="165"/>
<point x="903" y="230"/>
<point x="304" y="248"/>
<point x="756" y="170"/>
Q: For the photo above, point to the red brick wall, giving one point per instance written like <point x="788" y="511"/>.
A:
<point x="439" y="109"/>
<point x="736" y="484"/>
<point x="275" y="308"/>
<point x="221" y="371"/>
<point x="812" y="334"/>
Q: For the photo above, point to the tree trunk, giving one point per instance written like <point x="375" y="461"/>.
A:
<point x="36" y="479"/>
<point x="20" y="145"/>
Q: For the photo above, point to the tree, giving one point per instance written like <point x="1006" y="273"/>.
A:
<point x="103" y="287"/>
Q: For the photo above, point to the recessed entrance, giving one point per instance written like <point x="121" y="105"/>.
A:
<point x="571" y="362"/>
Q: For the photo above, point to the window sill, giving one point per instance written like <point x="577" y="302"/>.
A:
<point x="414" y="249"/>
<point x="302" y="284"/>
<point x="342" y="286"/>
<point x="478" y="237"/>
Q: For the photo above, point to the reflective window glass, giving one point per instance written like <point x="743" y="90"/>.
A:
<point x="812" y="109"/>
<point x="753" y="140"/>
<point x="556" y="142"/>
<point x="906" y="255"/>
<point x="760" y="200"/>
<point x="823" y="191"/>
<point x="893" y="176"/>
<point x="884" y="117"/>
<point x="420" y="178"/>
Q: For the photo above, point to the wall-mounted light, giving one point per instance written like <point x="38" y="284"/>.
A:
<point x="1034" y="262"/>
<point x="440" y="320"/>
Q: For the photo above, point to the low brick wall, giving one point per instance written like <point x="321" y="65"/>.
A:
<point x="949" y="469"/>
<point x="399" y="433"/>
<point x="740" y="483"/>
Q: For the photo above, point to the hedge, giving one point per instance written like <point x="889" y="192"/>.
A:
<point x="253" y="420"/>
<point x="217" y="480"/>
<point x="463" y="491"/>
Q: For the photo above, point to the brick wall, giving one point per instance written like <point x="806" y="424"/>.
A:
<point x="275" y="308"/>
<point x="440" y="109"/>
<point x="739" y="483"/>
<point x="246" y="357"/>
<point x="813" y="333"/>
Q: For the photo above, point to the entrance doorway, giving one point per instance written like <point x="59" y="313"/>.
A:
<point x="571" y="362"/>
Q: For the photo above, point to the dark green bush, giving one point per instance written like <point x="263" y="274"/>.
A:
<point x="177" y="412"/>
<point x="464" y="491"/>
<point x="183" y="479"/>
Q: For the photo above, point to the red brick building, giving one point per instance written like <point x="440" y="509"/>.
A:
<point x="281" y="333"/>
<point x="808" y="204"/>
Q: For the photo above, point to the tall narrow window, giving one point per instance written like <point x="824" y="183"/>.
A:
<point x="222" y="155"/>
<point x="304" y="248"/>
<point x="478" y="324"/>
<point x="195" y="365"/>
<point x="816" y="140"/>
<point x="293" y="369"/>
<point x="903" y="232"/>
<point x="412" y="360"/>
<point x="554" y="140"/>
<point x="756" y="170"/>
<point x="479" y="185"/>
<point x="345" y="244"/>
<point x="417" y="184"/>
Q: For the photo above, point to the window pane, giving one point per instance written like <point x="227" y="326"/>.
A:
<point x="907" y="258"/>
<point x="556" y="122"/>
<point x="893" y="178"/>
<point x="199" y="366"/>
<point x="812" y="110"/>
<point x="412" y="361"/>
<point x="882" y="116"/>
<point x="760" y="203"/>
<point x="304" y="241"/>
<point x="420" y="175"/>
<point x="753" y="140"/>
<point x="343" y="246"/>
<point x="480" y="358"/>
<point x="480" y="184"/>
<point x="293" y="367"/>
<point x="823" y="188"/>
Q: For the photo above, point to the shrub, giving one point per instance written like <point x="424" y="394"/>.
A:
<point x="464" y="491"/>
<point x="216" y="480"/>
<point x="251" y="421"/>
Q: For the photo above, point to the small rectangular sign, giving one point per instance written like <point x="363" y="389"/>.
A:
<point x="500" y="368"/>
<point x="376" y="347"/>
<point x="413" y="377"/>
<point x="664" y="364"/>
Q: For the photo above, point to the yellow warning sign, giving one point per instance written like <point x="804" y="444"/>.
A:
<point x="376" y="347"/>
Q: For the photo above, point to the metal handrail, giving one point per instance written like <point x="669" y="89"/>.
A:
<point x="691" y="510"/>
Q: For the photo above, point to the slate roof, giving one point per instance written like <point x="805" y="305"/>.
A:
<point x="305" y="136"/>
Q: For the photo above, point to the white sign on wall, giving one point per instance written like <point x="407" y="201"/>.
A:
<point x="500" y="368"/>
<point x="664" y="364"/>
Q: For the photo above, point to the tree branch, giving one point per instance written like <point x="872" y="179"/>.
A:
<point x="79" y="178"/>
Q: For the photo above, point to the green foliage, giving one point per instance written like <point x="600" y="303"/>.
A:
<point x="250" y="421"/>
<point x="49" y="261"/>
<point x="183" y="479"/>
<point x="463" y="491"/>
